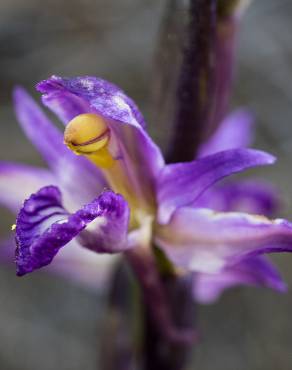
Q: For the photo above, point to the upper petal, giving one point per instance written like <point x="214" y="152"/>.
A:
<point x="234" y="132"/>
<point x="255" y="271"/>
<point x="66" y="166"/>
<point x="181" y="184"/>
<point x="141" y="156"/>
<point x="68" y="97"/>
<point x="206" y="241"/>
<point x="18" y="181"/>
<point x="43" y="226"/>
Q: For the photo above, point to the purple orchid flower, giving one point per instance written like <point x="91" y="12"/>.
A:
<point x="118" y="195"/>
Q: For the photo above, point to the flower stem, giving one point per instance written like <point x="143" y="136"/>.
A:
<point x="194" y="71"/>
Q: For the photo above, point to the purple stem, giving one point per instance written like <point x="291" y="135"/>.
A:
<point x="194" y="92"/>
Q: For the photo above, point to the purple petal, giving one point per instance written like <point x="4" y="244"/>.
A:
<point x="68" y="97"/>
<point x="49" y="142"/>
<point x="18" y="181"/>
<point x="141" y="156"/>
<point x="181" y="184"/>
<point x="75" y="263"/>
<point x="43" y="226"/>
<point x="257" y="271"/>
<point x="249" y="196"/>
<point x="203" y="240"/>
<point x="234" y="132"/>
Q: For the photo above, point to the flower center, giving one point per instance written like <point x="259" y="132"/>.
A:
<point x="89" y="135"/>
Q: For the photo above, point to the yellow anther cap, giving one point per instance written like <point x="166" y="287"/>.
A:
<point x="86" y="134"/>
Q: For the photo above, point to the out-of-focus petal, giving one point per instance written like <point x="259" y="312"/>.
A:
<point x="43" y="226"/>
<point x="251" y="196"/>
<point x="256" y="271"/>
<point x="18" y="181"/>
<point x="142" y="157"/>
<point x="83" y="266"/>
<point x="234" y="132"/>
<point x="203" y="240"/>
<point x="66" y="166"/>
<point x="181" y="184"/>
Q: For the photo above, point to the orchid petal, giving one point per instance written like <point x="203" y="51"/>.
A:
<point x="181" y="184"/>
<point x="256" y="271"/>
<point x="43" y="226"/>
<point x="84" y="93"/>
<point x="249" y="196"/>
<point x="81" y="266"/>
<point x="49" y="142"/>
<point x="142" y="157"/>
<point x="84" y="267"/>
<point x="18" y="181"/>
<point x="234" y="132"/>
<point x="203" y="240"/>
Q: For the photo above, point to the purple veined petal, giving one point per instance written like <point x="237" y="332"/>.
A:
<point x="251" y="196"/>
<point x="182" y="183"/>
<point x="43" y="226"/>
<point x="66" y="166"/>
<point x="141" y="156"/>
<point x="202" y="240"/>
<point x="234" y="132"/>
<point x="256" y="271"/>
<point x="18" y="181"/>
<point x="77" y="264"/>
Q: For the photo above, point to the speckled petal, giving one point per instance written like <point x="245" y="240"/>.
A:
<point x="43" y="226"/>
<point x="181" y="184"/>
<point x="256" y="271"/>
<point x="202" y="240"/>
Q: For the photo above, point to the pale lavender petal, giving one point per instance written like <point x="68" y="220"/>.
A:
<point x="203" y="240"/>
<point x="142" y="158"/>
<point x="181" y="184"/>
<point x="18" y="181"/>
<point x="84" y="267"/>
<point x="256" y="271"/>
<point x="66" y="166"/>
<point x="251" y="196"/>
<point x="234" y="132"/>
<point x="43" y="226"/>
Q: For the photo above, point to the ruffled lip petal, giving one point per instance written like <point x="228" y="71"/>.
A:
<point x="202" y="240"/>
<point x="43" y="226"/>
<point x="181" y="184"/>
<point x="257" y="271"/>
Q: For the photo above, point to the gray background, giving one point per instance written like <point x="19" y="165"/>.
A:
<point x="48" y="323"/>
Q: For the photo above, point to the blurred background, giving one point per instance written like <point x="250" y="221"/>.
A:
<point x="49" y="323"/>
